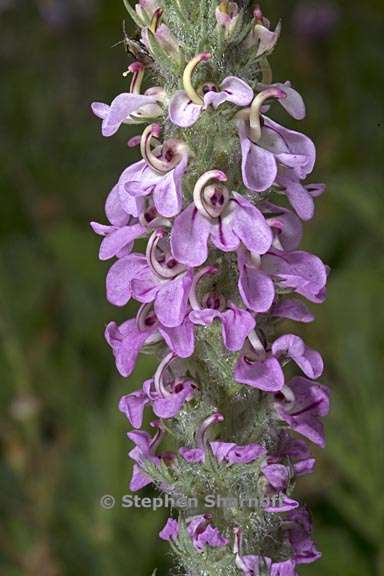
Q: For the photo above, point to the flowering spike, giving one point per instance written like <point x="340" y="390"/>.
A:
<point x="221" y="271"/>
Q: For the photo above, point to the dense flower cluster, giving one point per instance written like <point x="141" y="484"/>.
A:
<point x="222" y="270"/>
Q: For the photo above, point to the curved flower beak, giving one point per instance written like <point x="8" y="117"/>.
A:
<point x="187" y="77"/>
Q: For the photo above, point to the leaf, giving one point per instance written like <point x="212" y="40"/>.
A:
<point x="137" y="20"/>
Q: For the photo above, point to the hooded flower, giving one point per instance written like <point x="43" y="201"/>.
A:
<point x="167" y="393"/>
<point x="128" y="339"/>
<point x="186" y="105"/>
<point x="261" y="36"/>
<point x="117" y="240"/>
<point x="292" y="309"/>
<point x="298" y="271"/>
<point x="228" y="221"/>
<point x="126" y="105"/>
<point x="287" y="228"/>
<point x="299" y="195"/>
<point x="299" y="536"/>
<point x="293" y="452"/>
<point x="301" y="404"/>
<point x="200" y="530"/>
<point x="223" y="452"/>
<point x="156" y="278"/>
<point x="256" y="565"/>
<point x="170" y="531"/>
<point x="236" y="323"/>
<point x="263" y="369"/>
<point x="204" y="534"/>
<point x="251" y="565"/>
<point x="255" y="286"/>
<point x="164" y="38"/>
<point x="266" y="145"/>
<point x="145" y="451"/>
<point x="160" y="174"/>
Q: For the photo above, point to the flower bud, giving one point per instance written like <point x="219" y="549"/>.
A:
<point x="227" y="14"/>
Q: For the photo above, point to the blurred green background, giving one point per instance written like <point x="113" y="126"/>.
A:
<point x="62" y="439"/>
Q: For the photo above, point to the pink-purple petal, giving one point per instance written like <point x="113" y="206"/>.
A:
<point x="119" y="239"/>
<point x="172" y="300"/>
<point x="189" y="238"/>
<point x="237" y="324"/>
<point x="250" y="226"/>
<point x="265" y="374"/>
<point x="119" y="277"/>
<point x="182" y="111"/>
<point x="259" y="168"/>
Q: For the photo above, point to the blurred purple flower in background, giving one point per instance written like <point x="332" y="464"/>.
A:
<point x="59" y="13"/>
<point x="315" y="20"/>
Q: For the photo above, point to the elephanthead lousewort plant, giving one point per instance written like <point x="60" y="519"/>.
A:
<point x="219" y="194"/>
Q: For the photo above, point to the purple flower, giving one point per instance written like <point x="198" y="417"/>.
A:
<point x="197" y="455"/>
<point x="145" y="451"/>
<point x="159" y="174"/>
<point x="227" y="452"/>
<point x="295" y="452"/>
<point x="301" y="405"/>
<point x="167" y="393"/>
<point x="293" y="309"/>
<point x="118" y="240"/>
<point x="236" y="324"/>
<point x="294" y="348"/>
<point x="199" y="528"/>
<point x="298" y="271"/>
<point x="299" y="537"/>
<point x="170" y="531"/>
<point x="261" y="36"/>
<point x="204" y="534"/>
<point x="226" y="220"/>
<point x="261" y="369"/>
<point x="251" y="565"/>
<point x="255" y="286"/>
<point x="255" y="566"/>
<point x="122" y="231"/>
<point x="287" y="228"/>
<point x="233" y="454"/>
<point x="128" y="339"/>
<point x="127" y="104"/>
<point x="156" y="278"/>
<point x="277" y="478"/>
<point x="164" y="281"/>
<point x="120" y="277"/>
<point x="266" y="145"/>
<point x="186" y="105"/>
<point x="132" y="405"/>
<point x="265" y="374"/>
<point x="292" y="101"/>
<point x="257" y="368"/>
<point x="299" y="195"/>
